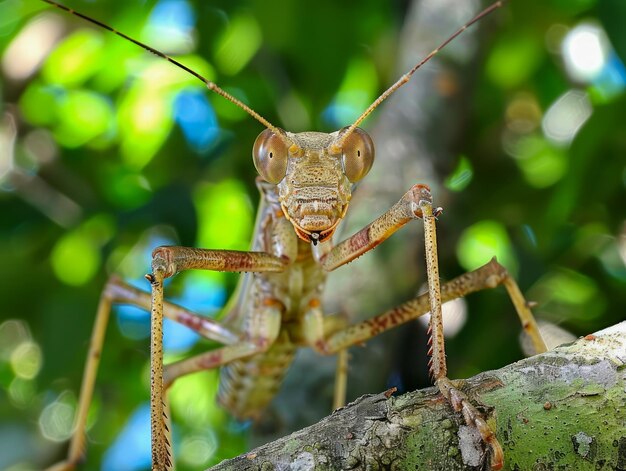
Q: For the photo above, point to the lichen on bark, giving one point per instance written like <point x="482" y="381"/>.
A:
<point x="562" y="410"/>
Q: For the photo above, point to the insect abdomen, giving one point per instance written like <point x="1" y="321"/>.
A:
<point x="248" y="385"/>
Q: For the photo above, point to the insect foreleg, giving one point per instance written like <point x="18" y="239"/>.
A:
<point x="418" y="203"/>
<point x="167" y="261"/>
<point x="438" y="366"/>
<point x="377" y="231"/>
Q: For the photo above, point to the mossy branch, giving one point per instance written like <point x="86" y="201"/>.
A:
<point x="565" y="409"/>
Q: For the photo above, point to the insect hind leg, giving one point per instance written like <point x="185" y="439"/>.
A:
<point x="116" y="291"/>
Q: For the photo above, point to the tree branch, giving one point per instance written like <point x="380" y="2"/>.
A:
<point x="565" y="409"/>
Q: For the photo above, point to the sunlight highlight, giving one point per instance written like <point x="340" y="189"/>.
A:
<point x="566" y="116"/>
<point x="585" y="52"/>
<point x="29" y="48"/>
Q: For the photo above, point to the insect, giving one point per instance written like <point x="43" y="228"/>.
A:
<point x="306" y="182"/>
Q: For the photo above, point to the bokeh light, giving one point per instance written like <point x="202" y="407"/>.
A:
<point x="585" y="52"/>
<point x="513" y="59"/>
<point x="26" y="360"/>
<point x="76" y="256"/>
<point x="564" y="293"/>
<point x="224" y="215"/>
<point x="195" y="115"/>
<point x="131" y="449"/>
<point x="590" y="59"/>
<point x="454" y="315"/>
<point x="238" y="44"/>
<point x="22" y="392"/>
<point x="75" y="59"/>
<point x="566" y="116"/>
<point x="13" y="333"/>
<point x="196" y="450"/>
<point x="170" y="26"/>
<point x="461" y="176"/>
<point x="482" y="241"/>
<point x="355" y="93"/>
<point x="29" y="48"/>
<point x="57" y="418"/>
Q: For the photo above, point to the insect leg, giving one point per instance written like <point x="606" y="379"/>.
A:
<point x="262" y="336"/>
<point x="117" y="291"/>
<point x="490" y="275"/>
<point x="167" y="261"/>
<point x="77" y="442"/>
<point x="314" y="329"/>
<point x="437" y="363"/>
<point x="411" y="206"/>
<point x="208" y="328"/>
<point x="420" y="205"/>
<point x="405" y="210"/>
<point x="341" y="379"/>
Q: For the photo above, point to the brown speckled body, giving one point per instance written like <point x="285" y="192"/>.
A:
<point x="249" y="384"/>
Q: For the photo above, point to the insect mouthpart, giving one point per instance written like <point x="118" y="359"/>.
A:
<point x="314" y="236"/>
<point x="314" y="221"/>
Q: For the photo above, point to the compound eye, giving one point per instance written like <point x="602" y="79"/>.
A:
<point x="357" y="155"/>
<point x="270" y="154"/>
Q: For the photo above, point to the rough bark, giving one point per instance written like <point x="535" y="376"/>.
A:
<point x="562" y="410"/>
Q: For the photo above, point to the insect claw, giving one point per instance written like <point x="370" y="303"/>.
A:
<point x="150" y="277"/>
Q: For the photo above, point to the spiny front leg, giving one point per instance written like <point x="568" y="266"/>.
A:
<point x="166" y="262"/>
<point x="379" y="230"/>
<point x="160" y="447"/>
<point x="437" y="363"/>
<point x="417" y="203"/>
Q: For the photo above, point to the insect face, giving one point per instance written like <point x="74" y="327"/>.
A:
<point x="313" y="175"/>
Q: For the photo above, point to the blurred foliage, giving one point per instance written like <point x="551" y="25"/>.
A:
<point x="107" y="151"/>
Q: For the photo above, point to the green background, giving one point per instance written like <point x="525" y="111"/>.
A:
<point x="96" y="168"/>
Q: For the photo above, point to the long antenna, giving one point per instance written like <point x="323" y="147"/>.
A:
<point x="210" y="85"/>
<point x="336" y="146"/>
